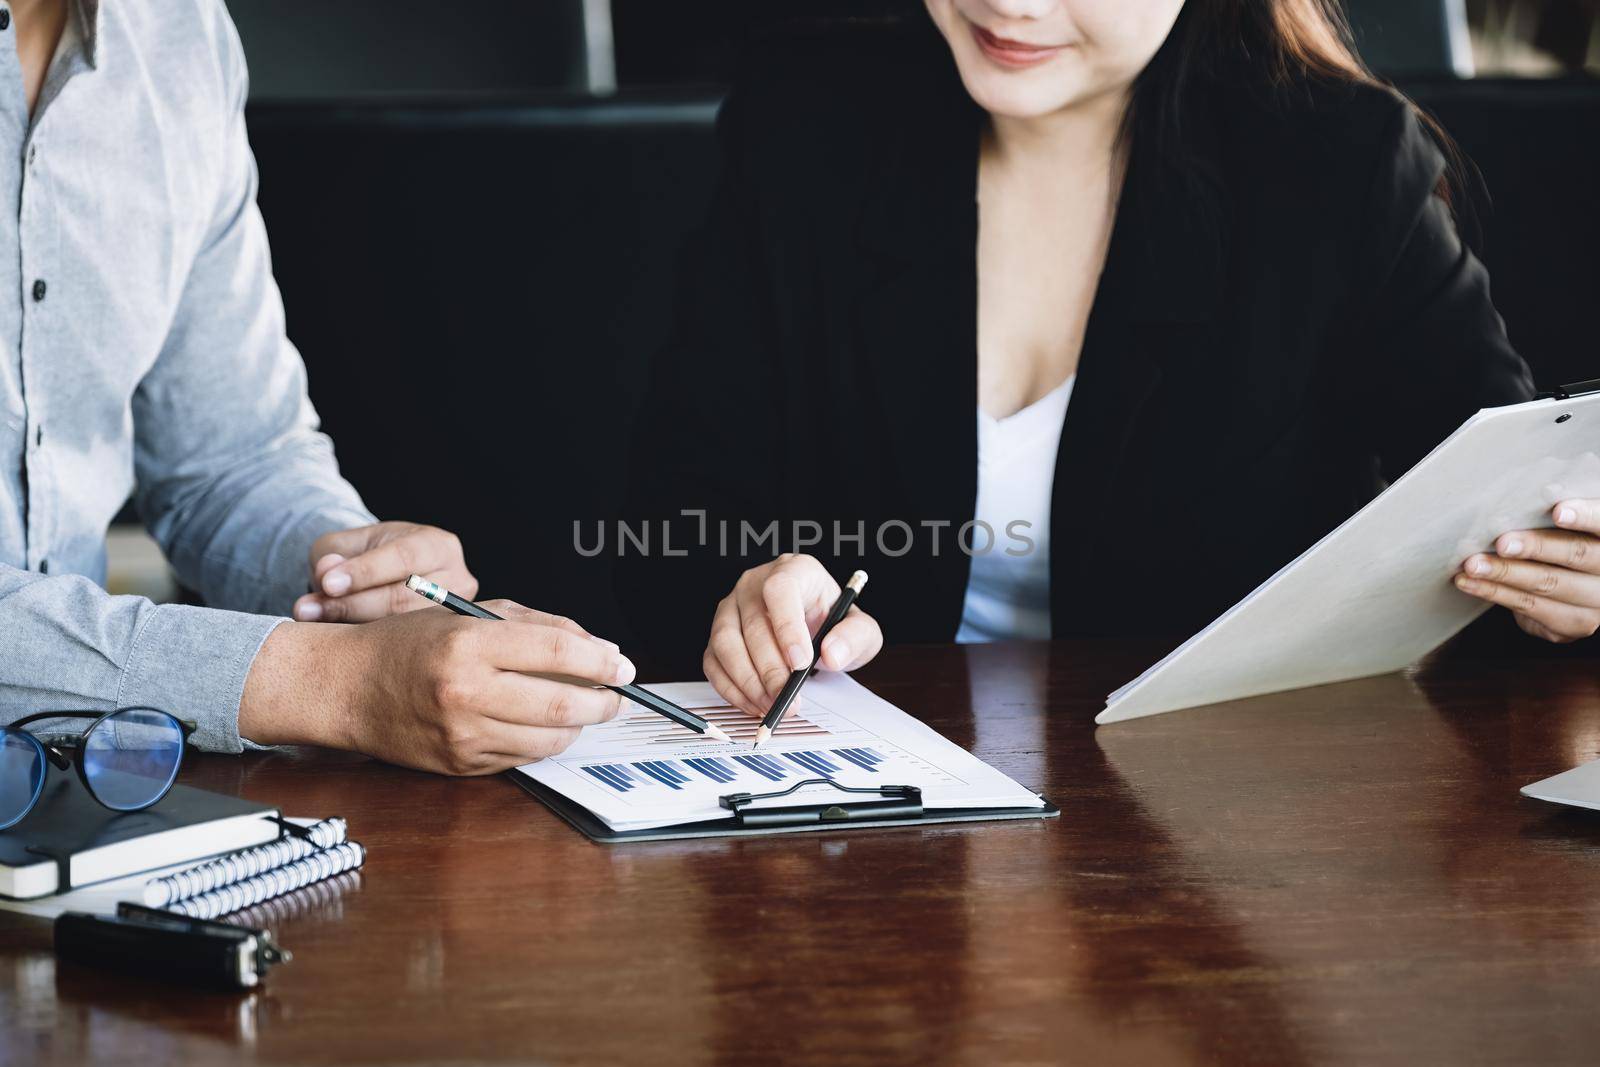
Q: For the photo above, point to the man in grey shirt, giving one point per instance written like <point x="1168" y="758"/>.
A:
<point x="142" y="351"/>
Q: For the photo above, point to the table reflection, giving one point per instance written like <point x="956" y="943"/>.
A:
<point x="73" y="1014"/>
<point x="1353" y="838"/>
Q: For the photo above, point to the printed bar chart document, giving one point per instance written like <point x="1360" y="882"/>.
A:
<point x="641" y="772"/>
<point x="1375" y="595"/>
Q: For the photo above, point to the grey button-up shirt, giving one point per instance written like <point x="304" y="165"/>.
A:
<point x="142" y="351"/>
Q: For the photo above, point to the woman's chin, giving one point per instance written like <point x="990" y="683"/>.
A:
<point x="1014" y="100"/>
<point x="1026" y="94"/>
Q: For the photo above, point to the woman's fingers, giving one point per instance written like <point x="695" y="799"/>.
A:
<point x="727" y="647"/>
<point x="1539" y="630"/>
<point x="725" y="688"/>
<point x="1567" y="621"/>
<point x="783" y="597"/>
<point x="1580" y="515"/>
<point x="1547" y="579"/>
<point x="1565" y="548"/>
<point x="762" y="632"/>
<point x="853" y="642"/>
<point x="771" y="665"/>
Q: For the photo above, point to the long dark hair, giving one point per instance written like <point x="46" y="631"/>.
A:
<point x="1278" y="44"/>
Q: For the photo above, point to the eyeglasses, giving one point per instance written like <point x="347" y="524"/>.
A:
<point x="127" y="759"/>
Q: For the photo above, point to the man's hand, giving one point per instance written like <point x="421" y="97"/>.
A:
<point x="763" y="630"/>
<point x="432" y="690"/>
<point x="1550" y="579"/>
<point x="360" y="575"/>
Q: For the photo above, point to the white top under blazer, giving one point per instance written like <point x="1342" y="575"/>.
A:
<point x="1008" y="591"/>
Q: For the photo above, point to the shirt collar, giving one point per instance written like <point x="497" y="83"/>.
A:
<point x="86" y="15"/>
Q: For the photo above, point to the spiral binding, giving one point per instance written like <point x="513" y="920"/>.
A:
<point x="323" y="899"/>
<point x="274" y="883"/>
<point x="239" y="866"/>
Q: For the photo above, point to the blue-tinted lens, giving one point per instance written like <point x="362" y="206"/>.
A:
<point x="131" y="757"/>
<point x="21" y="775"/>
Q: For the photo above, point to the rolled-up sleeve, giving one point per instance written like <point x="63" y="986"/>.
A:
<point x="71" y="646"/>
<point x="234" y="479"/>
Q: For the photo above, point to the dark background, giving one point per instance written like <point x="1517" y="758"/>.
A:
<point x="475" y="211"/>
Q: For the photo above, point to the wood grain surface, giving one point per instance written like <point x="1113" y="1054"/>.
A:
<point x="1342" y="875"/>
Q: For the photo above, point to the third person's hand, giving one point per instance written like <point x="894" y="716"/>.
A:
<point x="360" y="575"/>
<point x="1549" y="579"/>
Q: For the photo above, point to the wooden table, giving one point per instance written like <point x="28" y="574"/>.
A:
<point x="1341" y="875"/>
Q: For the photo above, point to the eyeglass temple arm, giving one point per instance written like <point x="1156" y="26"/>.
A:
<point x="58" y="757"/>
<point x="189" y="725"/>
<point x="55" y="755"/>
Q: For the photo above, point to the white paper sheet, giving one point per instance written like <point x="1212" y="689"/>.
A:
<point x="1375" y="595"/>
<point x="640" y="771"/>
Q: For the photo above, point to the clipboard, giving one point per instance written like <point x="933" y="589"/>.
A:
<point x="1375" y="596"/>
<point x="896" y="806"/>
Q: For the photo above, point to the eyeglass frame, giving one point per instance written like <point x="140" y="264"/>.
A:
<point x="53" y="754"/>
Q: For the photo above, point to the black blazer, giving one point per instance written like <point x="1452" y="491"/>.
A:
<point x="1286" y="318"/>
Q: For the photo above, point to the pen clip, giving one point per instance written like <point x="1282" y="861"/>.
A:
<point x="267" y="950"/>
<point x="290" y="828"/>
<point x="176" y="921"/>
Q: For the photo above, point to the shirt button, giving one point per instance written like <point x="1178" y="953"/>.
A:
<point x="5" y="19"/>
<point x="33" y="153"/>
<point x="44" y="564"/>
<point x="39" y="289"/>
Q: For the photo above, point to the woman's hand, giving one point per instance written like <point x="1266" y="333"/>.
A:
<point x="762" y="632"/>
<point x="1550" y="579"/>
<point x="360" y="575"/>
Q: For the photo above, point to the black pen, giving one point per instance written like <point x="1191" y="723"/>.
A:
<point x="149" y="943"/>
<point x="643" y="697"/>
<point x="791" y="688"/>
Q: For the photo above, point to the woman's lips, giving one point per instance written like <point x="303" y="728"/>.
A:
<point x="1011" y="53"/>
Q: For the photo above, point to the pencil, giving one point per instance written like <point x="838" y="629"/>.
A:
<point x="791" y="688"/>
<point x="643" y="697"/>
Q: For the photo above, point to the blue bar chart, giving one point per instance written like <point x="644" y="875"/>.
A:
<point x="744" y="772"/>
<point x="639" y="771"/>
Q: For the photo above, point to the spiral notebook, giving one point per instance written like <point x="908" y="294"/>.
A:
<point x="221" y="886"/>
<point x="69" y="840"/>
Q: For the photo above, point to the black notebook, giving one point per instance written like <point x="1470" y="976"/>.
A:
<point x="97" y="843"/>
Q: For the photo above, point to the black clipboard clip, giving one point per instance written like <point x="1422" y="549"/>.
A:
<point x="905" y="803"/>
<point x="1567" y="392"/>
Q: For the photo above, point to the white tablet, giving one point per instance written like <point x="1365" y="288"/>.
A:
<point x="1375" y="595"/>
<point x="1579" y="787"/>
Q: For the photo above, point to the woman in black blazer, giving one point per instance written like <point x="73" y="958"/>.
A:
<point x="1235" y="243"/>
